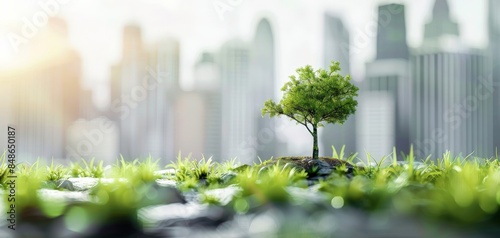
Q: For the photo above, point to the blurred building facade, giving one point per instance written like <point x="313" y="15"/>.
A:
<point x="207" y="82"/>
<point x="238" y="119"/>
<point x="336" y="43"/>
<point x="387" y="87"/>
<point x="143" y="91"/>
<point x="43" y="94"/>
<point x="449" y="111"/>
<point x="262" y="79"/>
<point x="197" y="113"/>
<point x="494" y="49"/>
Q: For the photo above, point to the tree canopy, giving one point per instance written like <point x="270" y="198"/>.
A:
<point x="313" y="97"/>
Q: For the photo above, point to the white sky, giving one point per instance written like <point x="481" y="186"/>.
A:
<point x="96" y="28"/>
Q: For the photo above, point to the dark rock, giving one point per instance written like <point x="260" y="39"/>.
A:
<point x="224" y="195"/>
<point x="66" y="184"/>
<point x="154" y="194"/>
<point x="319" y="167"/>
<point x="170" y="195"/>
<point x="316" y="169"/>
<point x="191" y="196"/>
<point x="50" y="184"/>
<point x="127" y="227"/>
<point x="227" y="177"/>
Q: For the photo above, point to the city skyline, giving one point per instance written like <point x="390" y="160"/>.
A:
<point x="244" y="74"/>
<point x="239" y="22"/>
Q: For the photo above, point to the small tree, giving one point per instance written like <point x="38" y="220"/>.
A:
<point x="314" y="97"/>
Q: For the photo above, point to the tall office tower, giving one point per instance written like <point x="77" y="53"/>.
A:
<point x="384" y="101"/>
<point x="262" y="79"/>
<point x="163" y="80"/>
<point x="128" y="102"/>
<point x="336" y="42"/>
<point x="238" y="119"/>
<point x="207" y="82"/>
<point x="494" y="32"/>
<point x="198" y="113"/>
<point x="144" y="87"/>
<point x="449" y="110"/>
<point x="44" y="94"/>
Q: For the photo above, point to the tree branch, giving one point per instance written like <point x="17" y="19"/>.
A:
<point x="302" y="123"/>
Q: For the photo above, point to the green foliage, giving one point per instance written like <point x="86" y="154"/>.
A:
<point x="315" y="96"/>
<point x="136" y="170"/>
<point x="29" y="180"/>
<point x="4" y="169"/>
<point x="204" y="169"/>
<point x="450" y="188"/>
<point x="56" y="172"/>
<point x="91" y="169"/>
<point x="269" y="186"/>
<point x="209" y="199"/>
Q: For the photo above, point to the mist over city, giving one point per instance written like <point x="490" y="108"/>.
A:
<point x="214" y="64"/>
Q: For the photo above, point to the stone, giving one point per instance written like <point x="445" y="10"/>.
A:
<point x="166" y="183"/>
<point x="83" y="184"/>
<point x="67" y="196"/>
<point x="165" y="172"/>
<point x="223" y="195"/>
<point x="158" y="194"/>
<point x="66" y="184"/>
<point x="227" y="177"/>
<point x="163" y="219"/>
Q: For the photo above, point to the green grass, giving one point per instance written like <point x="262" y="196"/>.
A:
<point x="465" y="190"/>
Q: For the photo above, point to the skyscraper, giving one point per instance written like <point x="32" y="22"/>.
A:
<point x="336" y="48"/>
<point x="449" y="112"/>
<point x="238" y="119"/>
<point x="262" y="81"/>
<point x="198" y="113"/>
<point x="494" y="36"/>
<point x="44" y="94"/>
<point x="128" y="100"/>
<point x="163" y="75"/>
<point x="207" y="81"/>
<point x="144" y="86"/>
<point x="387" y="86"/>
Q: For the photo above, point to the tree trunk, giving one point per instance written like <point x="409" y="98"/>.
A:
<point x="315" y="145"/>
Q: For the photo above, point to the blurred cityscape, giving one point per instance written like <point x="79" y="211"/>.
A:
<point x="442" y="95"/>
